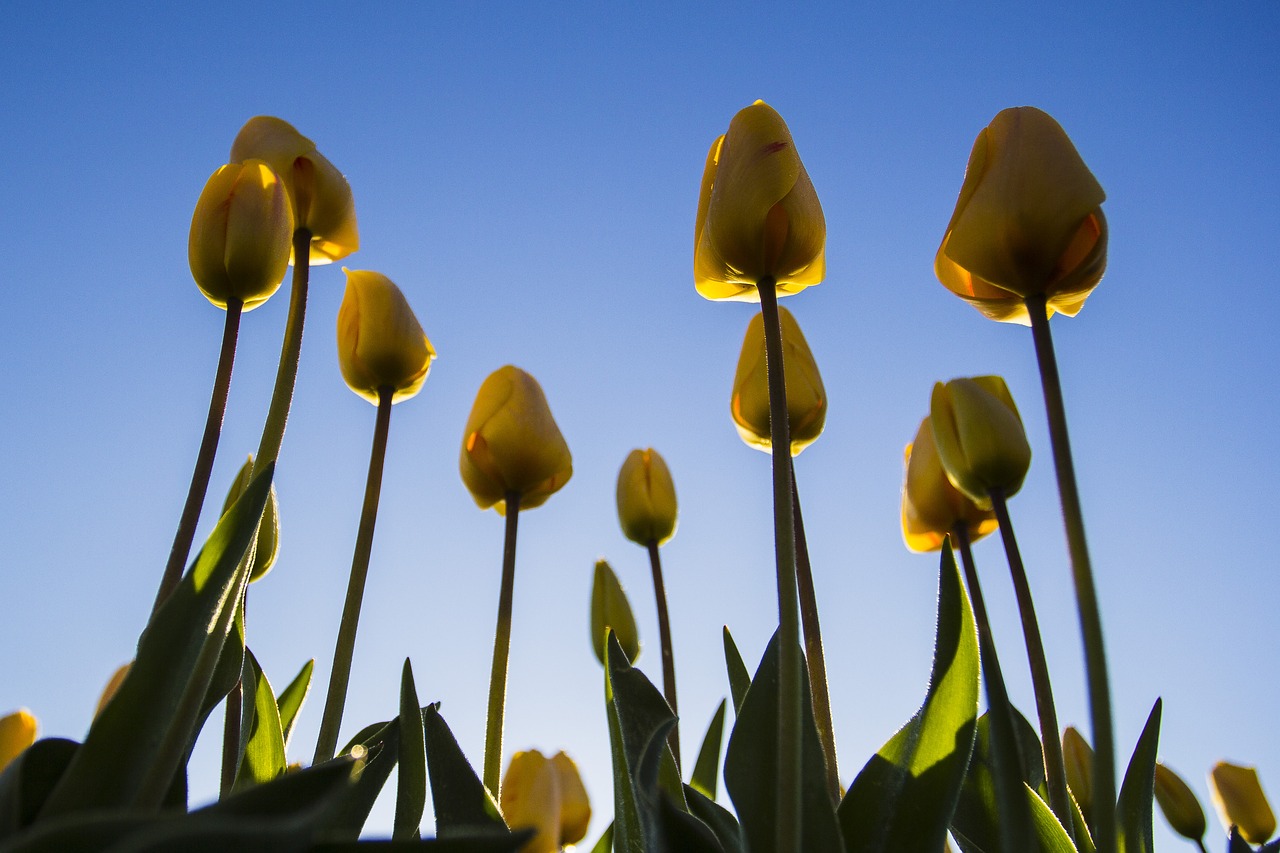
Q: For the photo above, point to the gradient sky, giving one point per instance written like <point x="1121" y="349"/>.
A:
<point x="530" y="179"/>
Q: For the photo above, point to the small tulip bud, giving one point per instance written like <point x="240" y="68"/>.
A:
<point x="1237" y="794"/>
<point x="646" y="498"/>
<point x="610" y="609"/>
<point x="113" y="684"/>
<point x="979" y="436"/>
<point x="240" y="236"/>
<point x="380" y="343"/>
<point x="1078" y="757"/>
<point x="931" y="506"/>
<point x="17" y="732"/>
<point x="512" y="444"/>
<point x="1179" y="804"/>
<point x="546" y="795"/>
<point x="806" y="397"/>
<point x="267" y="548"/>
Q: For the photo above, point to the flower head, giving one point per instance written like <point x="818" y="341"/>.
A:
<point x="241" y="234"/>
<point x="545" y="794"/>
<point x="610" y="609"/>
<point x="758" y="214"/>
<point x="1237" y="794"/>
<point x="321" y="196"/>
<point x="806" y="397"/>
<point x="979" y="437"/>
<point x="931" y="506"/>
<point x="1179" y="804"/>
<point x="1028" y="221"/>
<point x="17" y="732"/>
<point x="646" y="498"/>
<point x="380" y="343"/>
<point x="267" y="548"/>
<point x="512" y="444"/>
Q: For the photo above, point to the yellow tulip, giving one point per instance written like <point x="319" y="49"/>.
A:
<point x="806" y="397"/>
<point x="380" y="343"/>
<point x="546" y="795"/>
<point x="1028" y="221"/>
<point x="512" y="444"/>
<point x="646" y="498"/>
<point x="610" y="609"/>
<point x="979" y="437"/>
<point x="1179" y="804"/>
<point x="17" y="732"/>
<point x="1237" y="794"/>
<point x="267" y="549"/>
<point x="931" y="506"/>
<point x="758" y="214"/>
<point x="113" y="684"/>
<point x="321" y="196"/>
<point x="241" y="235"/>
<point x="1078" y="757"/>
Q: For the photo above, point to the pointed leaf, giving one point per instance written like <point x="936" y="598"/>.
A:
<point x="411" y="785"/>
<point x="264" y="745"/>
<point x="462" y="804"/>
<point x="1236" y="844"/>
<point x="379" y="744"/>
<point x="605" y="843"/>
<point x="707" y="767"/>
<point x="292" y="697"/>
<point x="739" y="675"/>
<point x="1133" y="806"/>
<point x="718" y="819"/>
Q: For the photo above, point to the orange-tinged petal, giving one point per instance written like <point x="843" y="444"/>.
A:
<point x="931" y="505"/>
<point x="17" y="732"/>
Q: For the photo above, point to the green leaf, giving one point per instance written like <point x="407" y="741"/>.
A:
<point x="379" y="744"/>
<point x="292" y="697"/>
<point x="263" y="758"/>
<point x="707" y="767"/>
<point x="411" y="786"/>
<point x="751" y="765"/>
<point x="1133" y="806"/>
<point x="605" y="843"/>
<point x="463" y="805"/>
<point x="904" y="797"/>
<point x="26" y="783"/>
<point x="718" y="819"/>
<point x="739" y="676"/>
<point x="136" y="745"/>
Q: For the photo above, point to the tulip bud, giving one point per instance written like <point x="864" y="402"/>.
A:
<point x="113" y="684"/>
<point x="380" y="343"/>
<point x="1028" y="221"/>
<point x="758" y="214"/>
<point x="546" y="795"/>
<point x="1237" y="794"/>
<point x="321" y="196"/>
<point x="241" y="234"/>
<point x="1179" y="804"/>
<point x="646" y="498"/>
<point x="979" y="437"/>
<point x="1078" y="758"/>
<point x="17" y="732"/>
<point x="268" y="545"/>
<point x="931" y="506"/>
<point x="610" y="609"/>
<point x="512" y="444"/>
<point x="806" y="397"/>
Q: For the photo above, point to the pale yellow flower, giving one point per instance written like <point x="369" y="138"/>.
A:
<point x="380" y="342"/>
<point x="931" y="506"/>
<point x="806" y="396"/>
<point x="979" y="437"/>
<point x="646" y="498"/>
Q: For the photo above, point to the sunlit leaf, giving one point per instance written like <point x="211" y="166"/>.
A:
<point x="1133" y="806"/>
<point x="707" y="768"/>
<point x="291" y="698"/>
<point x="739" y="675"/>
<point x="264" y="745"/>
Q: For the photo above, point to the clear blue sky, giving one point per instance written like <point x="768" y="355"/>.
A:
<point x="530" y="181"/>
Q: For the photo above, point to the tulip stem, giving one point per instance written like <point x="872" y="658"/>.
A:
<point x="1104" y="773"/>
<point x="1002" y="739"/>
<point x="501" y="651"/>
<point x="290" y="353"/>
<point x="668" y="655"/>
<point x="1050" y="736"/>
<point x="340" y="675"/>
<point x="204" y="458"/>
<point x="813" y="647"/>
<point x="790" y="696"/>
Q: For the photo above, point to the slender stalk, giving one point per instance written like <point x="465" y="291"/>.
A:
<point x="232" y="712"/>
<point x="1200" y="844"/>
<point x="668" y="655"/>
<point x="204" y="458"/>
<point x="813" y="648"/>
<point x="501" y="651"/>
<point x="1055" y="769"/>
<point x="290" y="353"/>
<point x="1095" y="657"/>
<point x="340" y="675"/>
<point x="790" y="698"/>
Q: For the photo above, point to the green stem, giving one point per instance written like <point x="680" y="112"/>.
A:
<point x="1055" y="770"/>
<point x="290" y="352"/>
<point x="790" y="697"/>
<point x="1200" y="844"/>
<point x="232" y="712"/>
<point x="1095" y="658"/>
<point x="340" y="675"/>
<point x="668" y="655"/>
<point x="204" y="458"/>
<point x="501" y="651"/>
<point x="813" y="648"/>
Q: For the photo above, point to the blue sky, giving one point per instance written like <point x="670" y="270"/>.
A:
<point x="529" y="179"/>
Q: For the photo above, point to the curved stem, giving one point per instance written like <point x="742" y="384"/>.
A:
<point x="340" y="675"/>
<point x="813" y="647"/>
<point x="1095" y="657"/>
<point x="501" y="651"/>
<point x="182" y="540"/>
<point x="1050" y="736"/>
<point x="668" y="654"/>
<point x="790" y="701"/>
<point x="290" y="353"/>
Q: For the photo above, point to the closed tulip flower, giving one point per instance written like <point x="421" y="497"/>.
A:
<point x="380" y="343"/>
<point x="979" y="437"/>
<point x="512" y="444"/>
<point x="1237" y="794"/>
<point x="1179" y="804"/>
<point x="267" y="548"/>
<point x="931" y="506"/>
<point x="758" y="214"/>
<point x="17" y="732"/>
<point x="610" y="609"/>
<point x="545" y="794"/>
<point x="241" y="234"/>
<point x="1028" y="221"/>
<point x="321" y="196"/>
<point x="646" y="498"/>
<point x="806" y="397"/>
